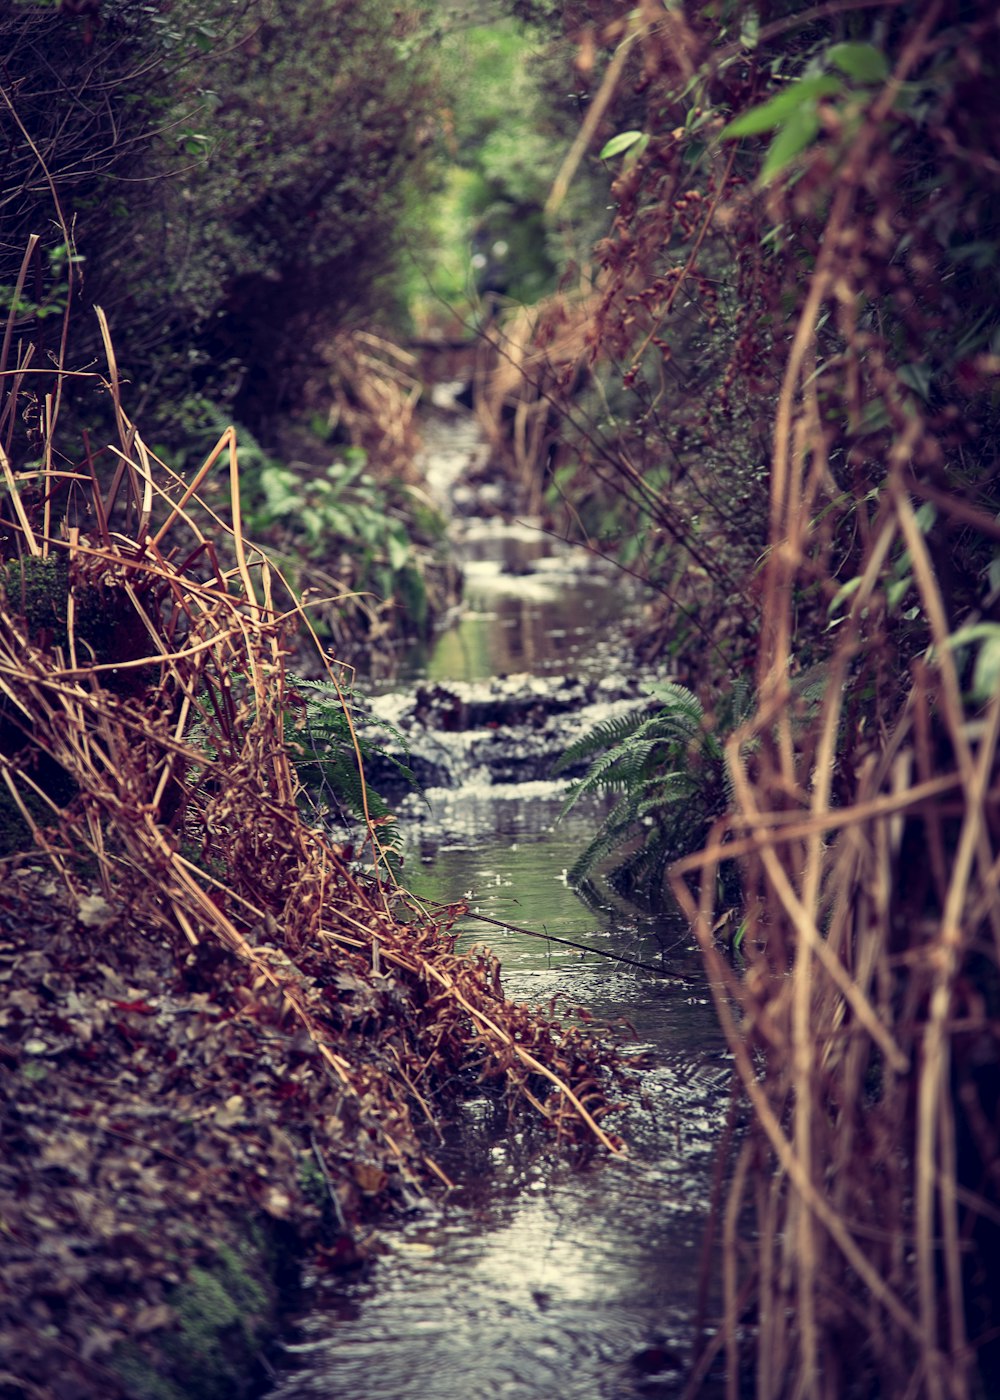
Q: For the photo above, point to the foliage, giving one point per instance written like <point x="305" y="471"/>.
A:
<point x="329" y="755"/>
<point x="780" y="391"/>
<point x="670" y="377"/>
<point x="340" y="503"/>
<point x="794" y="113"/>
<point x="340" y="521"/>
<point x="497" y="157"/>
<point x="669" y="771"/>
<point x="316" y="119"/>
<point x="197" y="967"/>
<point x="366" y="551"/>
<point x="232" y="183"/>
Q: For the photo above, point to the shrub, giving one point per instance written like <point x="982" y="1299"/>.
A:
<point x="668" y="769"/>
<point x="232" y="180"/>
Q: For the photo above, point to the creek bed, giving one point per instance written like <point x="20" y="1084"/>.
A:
<point x="533" y="1281"/>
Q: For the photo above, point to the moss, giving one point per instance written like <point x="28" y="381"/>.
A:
<point x="37" y="590"/>
<point x="312" y="1184"/>
<point x="15" y="834"/>
<point x="226" y="1311"/>
<point x="141" y="1378"/>
<point x="243" y="1269"/>
<point x="213" y="1350"/>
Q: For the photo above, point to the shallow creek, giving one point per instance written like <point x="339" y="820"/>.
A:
<point x="532" y="1281"/>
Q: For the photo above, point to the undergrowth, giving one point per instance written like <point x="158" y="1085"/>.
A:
<point x="329" y="754"/>
<point x="353" y="537"/>
<point x="150" y="744"/>
<point x="667" y="769"/>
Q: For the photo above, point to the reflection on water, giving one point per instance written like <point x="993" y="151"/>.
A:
<point x="548" y="1292"/>
<point x="532" y="1281"/>
<point x="529" y="605"/>
<point x="505" y="851"/>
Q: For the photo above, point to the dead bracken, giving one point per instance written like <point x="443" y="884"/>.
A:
<point x="218" y="1030"/>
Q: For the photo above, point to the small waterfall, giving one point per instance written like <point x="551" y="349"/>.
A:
<point x="470" y="736"/>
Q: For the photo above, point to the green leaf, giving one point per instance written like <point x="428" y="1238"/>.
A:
<point x="278" y="485"/>
<point x="345" y="474"/>
<point x="862" y="62"/>
<point x="779" y="109"/>
<point x="845" y="591"/>
<point x="986" y="673"/>
<point x="750" y="30"/>
<point x="986" y="677"/>
<point x="874" y="417"/>
<point x="314" y="523"/>
<point x="338" y="522"/>
<point x="917" y="377"/>
<point x="799" y="131"/>
<point x="622" y="142"/>
<point x="897" y="591"/>
<point x="976" y="632"/>
<point x="399" y="549"/>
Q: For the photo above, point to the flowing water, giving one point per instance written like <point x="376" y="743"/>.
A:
<point x="533" y="1281"/>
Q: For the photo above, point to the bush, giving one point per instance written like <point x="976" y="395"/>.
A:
<point x="231" y="180"/>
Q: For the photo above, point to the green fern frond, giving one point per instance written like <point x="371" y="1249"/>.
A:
<point x="670" y="774"/>
<point x="678" y="704"/>
<point x="670" y="788"/>
<point x="325" y="746"/>
<point x="672" y="728"/>
<point x="607" y="733"/>
<point x="739" y="705"/>
<point x="618" y="770"/>
<point x="607" y="840"/>
<point x="644" y="870"/>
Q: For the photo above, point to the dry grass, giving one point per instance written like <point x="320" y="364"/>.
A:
<point x="145" y="705"/>
<point x="860" y="1025"/>
<point x="376" y="387"/>
<point x="860" y="1212"/>
<point x="865" y="1017"/>
<point x="864" y="1025"/>
<point x="530" y="358"/>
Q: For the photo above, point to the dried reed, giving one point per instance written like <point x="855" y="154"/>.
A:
<point x="527" y="360"/>
<point x="151" y="682"/>
<point x="375" y="392"/>
<point x="864" y="1025"/>
<point x="863" y="1009"/>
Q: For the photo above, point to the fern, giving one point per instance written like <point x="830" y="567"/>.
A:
<point x="605" y="734"/>
<point x="326" y="763"/>
<point x="670" y="772"/>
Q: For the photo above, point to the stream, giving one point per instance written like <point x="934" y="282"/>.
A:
<point x="531" y="1281"/>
